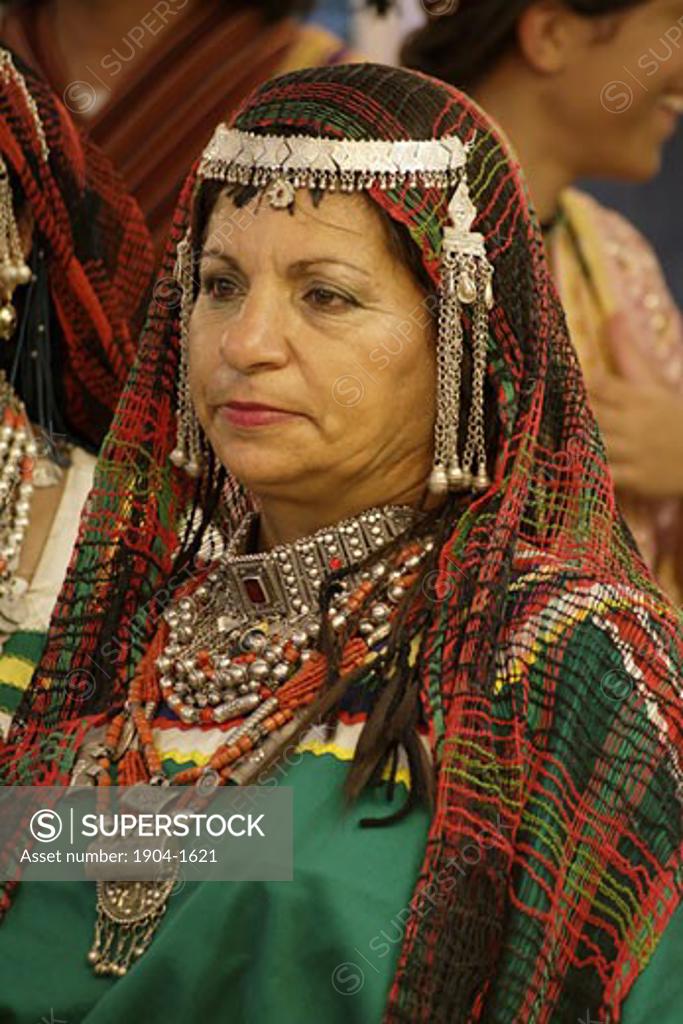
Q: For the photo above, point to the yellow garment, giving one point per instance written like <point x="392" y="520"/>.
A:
<point x="605" y="269"/>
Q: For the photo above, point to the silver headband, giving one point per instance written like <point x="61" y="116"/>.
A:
<point x="305" y="162"/>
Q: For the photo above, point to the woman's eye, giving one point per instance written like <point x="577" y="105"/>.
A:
<point x="219" y="287"/>
<point x="330" y="300"/>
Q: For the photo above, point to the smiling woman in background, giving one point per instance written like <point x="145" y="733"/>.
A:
<point x="416" y="574"/>
<point x="559" y="78"/>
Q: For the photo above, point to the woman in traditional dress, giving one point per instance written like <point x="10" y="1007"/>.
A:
<point x="593" y="88"/>
<point x="75" y="269"/>
<point x="353" y="530"/>
<point x="150" y="81"/>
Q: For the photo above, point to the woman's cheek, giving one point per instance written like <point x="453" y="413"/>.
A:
<point x="202" y="366"/>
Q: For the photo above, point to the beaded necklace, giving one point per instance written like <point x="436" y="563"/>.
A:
<point x="273" y="668"/>
<point x="128" y="913"/>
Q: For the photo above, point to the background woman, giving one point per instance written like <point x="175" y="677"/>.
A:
<point x="559" y="77"/>
<point x="388" y="537"/>
<point x="76" y="265"/>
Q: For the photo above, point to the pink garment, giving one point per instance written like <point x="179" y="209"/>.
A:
<point x="638" y="324"/>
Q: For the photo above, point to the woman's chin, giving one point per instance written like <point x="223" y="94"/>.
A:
<point x="262" y="472"/>
<point x="643" y="161"/>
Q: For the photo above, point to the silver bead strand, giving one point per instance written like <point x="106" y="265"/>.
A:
<point x="476" y="438"/>
<point x="448" y="354"/>
<point x="187" y="453"/>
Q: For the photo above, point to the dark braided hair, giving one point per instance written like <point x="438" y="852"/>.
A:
<point x="462" y="47"/>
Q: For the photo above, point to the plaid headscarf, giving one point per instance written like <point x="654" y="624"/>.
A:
<point x="551" y="661"/>
<point x="97" y="252"/>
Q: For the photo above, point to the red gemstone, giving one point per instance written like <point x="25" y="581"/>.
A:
<point x="256" y="592"/>
<point x="335" y="563"/>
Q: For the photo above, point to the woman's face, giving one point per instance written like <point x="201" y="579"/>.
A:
<point x="621" y="92"/>
<point x="312" y="356"/>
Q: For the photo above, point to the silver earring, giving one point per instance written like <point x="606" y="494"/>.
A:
<point x="187" y="454"/>
<point x="466" y="280"/>
<point x="13" y="268"/>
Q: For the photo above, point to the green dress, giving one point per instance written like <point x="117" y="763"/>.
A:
<point x="323" y="947"/>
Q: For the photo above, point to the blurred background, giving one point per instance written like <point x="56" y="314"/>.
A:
<point x="654" y="207"/>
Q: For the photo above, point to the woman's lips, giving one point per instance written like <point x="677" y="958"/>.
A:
<point x="251" y="414"/>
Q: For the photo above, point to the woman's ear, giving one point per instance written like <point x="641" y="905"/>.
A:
<point x="550" y="36"/>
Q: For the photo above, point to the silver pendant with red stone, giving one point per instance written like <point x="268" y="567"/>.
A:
<point x="255" y="620"/>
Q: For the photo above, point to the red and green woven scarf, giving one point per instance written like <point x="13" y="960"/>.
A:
<point x="96" y="245"/>
<point x="551" y="664"/>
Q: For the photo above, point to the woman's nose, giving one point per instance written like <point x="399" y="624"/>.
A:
<point x="256" y="336"/>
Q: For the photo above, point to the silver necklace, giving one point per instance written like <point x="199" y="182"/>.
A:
<point x="254" y="620"/>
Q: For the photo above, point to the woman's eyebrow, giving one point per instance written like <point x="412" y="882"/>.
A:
<point x="302" y="266"/>
<point x="296" y="269"/>
<point x="217" y="254"/>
